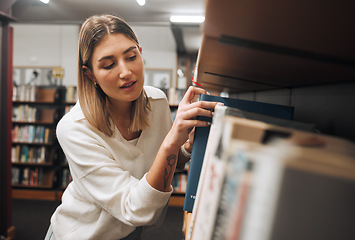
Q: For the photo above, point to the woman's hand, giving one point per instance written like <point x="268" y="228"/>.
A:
<point x="161" y="173"/>
<point x="185" y="120"/>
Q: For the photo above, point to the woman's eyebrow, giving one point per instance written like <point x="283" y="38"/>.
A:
<point x="105" y="58"/>
<point x="111" y="56"/>
<point x="129" y="49"/>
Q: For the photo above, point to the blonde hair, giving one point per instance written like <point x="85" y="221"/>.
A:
<point x="91" y="97"/>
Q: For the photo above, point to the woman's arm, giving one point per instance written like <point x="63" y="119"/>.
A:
<point x="161" y="172"/>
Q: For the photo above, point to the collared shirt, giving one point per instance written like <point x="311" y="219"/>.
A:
<point x="109" y="195"/>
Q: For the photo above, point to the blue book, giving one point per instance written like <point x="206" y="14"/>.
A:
<point x="201" y="137"/>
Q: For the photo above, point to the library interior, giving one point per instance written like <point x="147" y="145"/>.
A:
<point x="276" y="160"/>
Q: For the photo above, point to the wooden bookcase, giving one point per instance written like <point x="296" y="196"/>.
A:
<point x="304" y="51"/>
<point x="36" y="154"/>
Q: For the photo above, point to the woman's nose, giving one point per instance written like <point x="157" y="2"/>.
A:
<point x="125" y="72"/>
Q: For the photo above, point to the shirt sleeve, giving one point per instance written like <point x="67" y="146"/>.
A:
<point x="100" y="180"/>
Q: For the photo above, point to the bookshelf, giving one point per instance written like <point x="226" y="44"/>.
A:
<point x="285" y="53"/>
<point x="35" y="153"/>
<point x="179" y="187"/>
<point x="255" y="46"/>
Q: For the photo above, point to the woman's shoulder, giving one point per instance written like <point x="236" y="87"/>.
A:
<point x="154" y="93"/>
<point x="71" y="120"/>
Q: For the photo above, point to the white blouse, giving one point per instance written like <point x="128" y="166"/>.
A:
<point x="109" y="195"/>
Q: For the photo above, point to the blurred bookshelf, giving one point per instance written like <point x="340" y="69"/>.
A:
<point x="35" y="152"/>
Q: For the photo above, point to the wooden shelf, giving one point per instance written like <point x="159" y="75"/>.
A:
<point x="253" y="46"/>
<point x="186" y="224"/>
<point x="49" y="186"/>
<point x="33" y="194"/>
<point x="55" y="195"/>
<point x="33" y="143"/>
<point x="34" y="164"/>
<point x="69" y="103"/>
<point x="176" y="200"/>
<point x="32" y="123"/>
<point x="35" y="102"/>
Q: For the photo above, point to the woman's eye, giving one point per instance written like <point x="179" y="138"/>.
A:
<point x="132" y="58"/>
<point x="109" y="66"/>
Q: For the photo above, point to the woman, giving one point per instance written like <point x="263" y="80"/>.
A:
<point x="121" y="146"/>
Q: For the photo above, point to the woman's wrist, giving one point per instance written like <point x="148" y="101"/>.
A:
<point x="186" y="149"/>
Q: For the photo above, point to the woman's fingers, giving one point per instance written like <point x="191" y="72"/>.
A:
<point x="197" y="123"/>
<point x="187" y="113"/>
<point x="203" y="104"/>
<point x="194" y="112"/>
<point x="201" y="108"/>
<point x="191" y="93"/>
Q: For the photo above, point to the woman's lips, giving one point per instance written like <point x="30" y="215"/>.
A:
<point x="127" y="85"/>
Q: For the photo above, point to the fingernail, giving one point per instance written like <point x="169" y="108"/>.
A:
<point x="208" y="93"/>
<point x="220" y="104"/>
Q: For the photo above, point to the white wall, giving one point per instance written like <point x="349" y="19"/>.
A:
<point x="159" y="47"/>
<point x="50" y="45"/>
<point x="47" y="46"/>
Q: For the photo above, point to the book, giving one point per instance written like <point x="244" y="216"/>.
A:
<point x="213" y="171"/>
<point x="299" y="180"/>
<point x="201" y="137"/>
<point x="210" y="182"/>
<point x="297" y="196"/>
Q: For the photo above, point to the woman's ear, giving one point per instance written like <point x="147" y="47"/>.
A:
<point x="88" y="73"/>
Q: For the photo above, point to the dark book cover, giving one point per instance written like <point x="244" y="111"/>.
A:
<point x="201" y="137"/>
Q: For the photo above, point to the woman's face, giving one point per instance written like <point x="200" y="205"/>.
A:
<point x="118" y="68"/>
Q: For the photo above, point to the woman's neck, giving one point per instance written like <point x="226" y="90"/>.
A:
<point x="120" y="114"/>
<point x="120" y="110"/>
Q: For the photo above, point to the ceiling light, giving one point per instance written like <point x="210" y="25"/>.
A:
<point x="45" y="1"/>
<point x="187" y="19"/>
<point x="141" y="2"/>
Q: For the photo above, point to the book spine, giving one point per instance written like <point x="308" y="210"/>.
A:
<point x="239" y="206"/>
<point x="205" y="207"/>
<point x="264" y="193"/>
<point x="236" y="167"/>
<point x="197" y="155"/>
